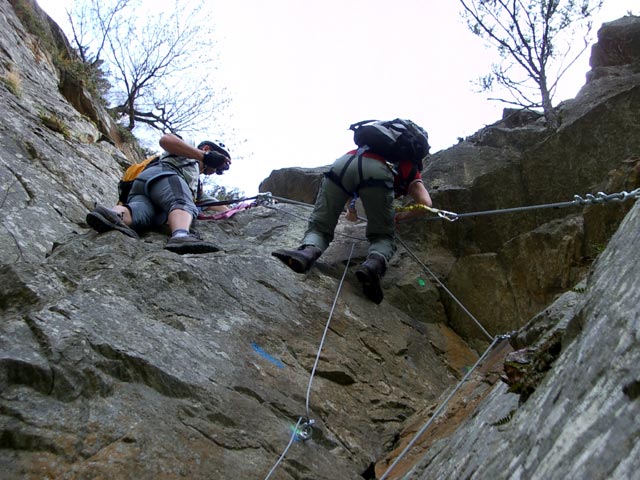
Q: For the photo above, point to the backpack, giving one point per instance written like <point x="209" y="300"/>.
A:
<point x="130" y="174"/>
<point x="395" y="140"/>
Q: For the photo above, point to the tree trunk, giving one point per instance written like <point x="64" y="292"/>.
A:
<point x="547" y="107"/>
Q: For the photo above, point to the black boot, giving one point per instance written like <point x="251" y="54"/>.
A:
<point x="369" y="274"/>
<point x="299" y="260"/>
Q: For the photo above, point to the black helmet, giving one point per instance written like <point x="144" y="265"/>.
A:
<point x="216" y="147"/>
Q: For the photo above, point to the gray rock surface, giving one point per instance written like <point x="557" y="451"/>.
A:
<point x="120" y="359"/>
<point x="582" y="421"/>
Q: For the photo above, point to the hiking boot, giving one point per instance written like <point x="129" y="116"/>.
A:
<point x="104" y="220"/>
<point x="369" y="275"/>
<point x="189" y="244"/>
<point x="300" y="260"/>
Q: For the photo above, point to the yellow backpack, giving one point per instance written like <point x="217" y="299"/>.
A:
<point x="130" y="174"/>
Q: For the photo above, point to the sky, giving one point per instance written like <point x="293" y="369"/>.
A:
<point x="299" y="72"/>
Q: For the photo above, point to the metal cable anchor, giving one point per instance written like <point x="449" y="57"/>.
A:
<point x="264" y="198"/>
<point x="305" y="429"/>
<point x="449" y="216"/>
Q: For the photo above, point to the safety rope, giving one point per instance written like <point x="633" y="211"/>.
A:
<point x="261" y="199"/>
<point x="267" y="198"/>
<point x="292" y="202"/>
<point x="455" y="299"/>
<point x="442" y="406"/>
<point x="304" y="427"/>
<point x="217" y="203"/>
<point x="268" y="203"/>
<point x="284" y="453"/>
<point x="589" y="199"/>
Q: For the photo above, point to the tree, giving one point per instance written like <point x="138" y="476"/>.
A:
<point x="160" y="65"/>
<point x="220" y="192"/>
<point x="537" y="40"/>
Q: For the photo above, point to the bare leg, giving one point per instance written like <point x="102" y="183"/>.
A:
<point x="124" y="213"/>
<point x="179" y="220"/>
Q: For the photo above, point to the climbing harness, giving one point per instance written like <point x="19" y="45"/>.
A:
<point x="304" y="426"/>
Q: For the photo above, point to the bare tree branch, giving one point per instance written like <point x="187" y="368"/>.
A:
<point x="536" y="41"/>
<point x="150" y="60"/>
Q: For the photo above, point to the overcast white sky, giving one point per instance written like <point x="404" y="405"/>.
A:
<point x="299" y="72"/>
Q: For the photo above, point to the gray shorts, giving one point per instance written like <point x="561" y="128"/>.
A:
<point x="154" y="196"/>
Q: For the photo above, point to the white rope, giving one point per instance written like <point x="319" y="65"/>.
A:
<point x="326" y="328"/>
<point x="293" y="436"/>
<point x="440" y="408"/>
<point x="304" y="425"/>
<point x="455" y="299"/>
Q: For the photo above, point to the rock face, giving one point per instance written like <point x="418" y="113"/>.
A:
<point x="582" y="422"/>
<point x="120" y="359"/>
<point x="299" y="184"/>
<point x="618" y="44"/>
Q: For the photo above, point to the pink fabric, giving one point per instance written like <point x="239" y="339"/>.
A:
<point x="227" y="214"/>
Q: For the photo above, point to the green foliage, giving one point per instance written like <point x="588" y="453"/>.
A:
<point x="13" y="82"/>
<point x="55" y="123"/>
<point x="32" y="23"/>
<point x="87" y="75"/>
<point x="126" y="134"/>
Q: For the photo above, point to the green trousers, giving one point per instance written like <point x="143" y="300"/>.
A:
<point x="372" y="180"/>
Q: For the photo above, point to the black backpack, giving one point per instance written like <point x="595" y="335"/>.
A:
<point x="395" y="140"/>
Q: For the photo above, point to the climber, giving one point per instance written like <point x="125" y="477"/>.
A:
<point x="375" y="180"/>
<point x="164" y="192"/>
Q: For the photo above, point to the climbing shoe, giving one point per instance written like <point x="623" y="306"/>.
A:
<point x="300" y="260"/>
<point x="104" y="220"/>
<point x="189" y="244"/>
<point x="369" y="275"/>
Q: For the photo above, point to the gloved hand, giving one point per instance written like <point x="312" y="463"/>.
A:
<point x="215" y="160"/>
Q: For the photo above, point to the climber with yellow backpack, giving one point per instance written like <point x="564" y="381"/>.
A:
<point x="164" y="190"/>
